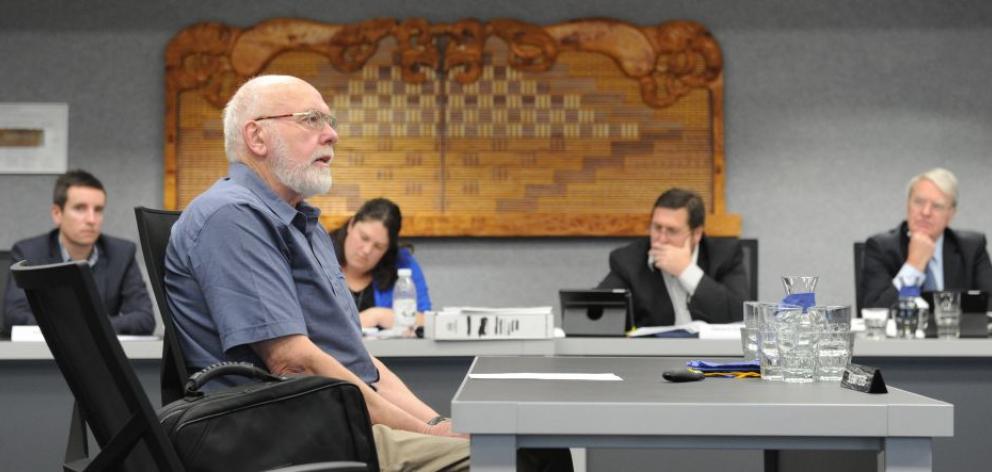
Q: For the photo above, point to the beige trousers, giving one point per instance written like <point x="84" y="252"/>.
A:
<point x="400" y="450"/>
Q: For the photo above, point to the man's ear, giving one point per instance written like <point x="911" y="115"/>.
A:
<point x="254" y="138"/>
<point x="697" y="235"/>
<point x="56" y="215"/>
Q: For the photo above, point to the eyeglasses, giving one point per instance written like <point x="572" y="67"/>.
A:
<point x="920" y="203"/>
<point x="670" y="233"/>
<point x="312" y="119"/>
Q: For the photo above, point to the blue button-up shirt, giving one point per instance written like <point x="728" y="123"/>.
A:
<point x="244" y="266"/>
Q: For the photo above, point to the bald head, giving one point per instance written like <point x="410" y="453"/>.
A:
<point x="261" y="96"/>
<point x="281" y="128"/>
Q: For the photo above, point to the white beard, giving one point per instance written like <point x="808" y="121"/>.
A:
<point x="303" y="178"/>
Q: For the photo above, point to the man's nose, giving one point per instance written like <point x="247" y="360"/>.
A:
<point x="329" y="135"/>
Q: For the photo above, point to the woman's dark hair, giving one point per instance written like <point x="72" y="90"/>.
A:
<point x="388" y="213"/>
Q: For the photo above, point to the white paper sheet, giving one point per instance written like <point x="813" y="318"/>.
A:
<point x="548" y="376"/>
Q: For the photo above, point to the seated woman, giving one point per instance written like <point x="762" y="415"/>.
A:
<point x="369" y="255"/>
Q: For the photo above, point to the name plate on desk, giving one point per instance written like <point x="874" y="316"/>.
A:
<point x="465" y="323"/>
<point x="863" y="379"/>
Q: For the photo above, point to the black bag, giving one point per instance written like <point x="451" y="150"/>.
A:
<point x="276" y="423"/>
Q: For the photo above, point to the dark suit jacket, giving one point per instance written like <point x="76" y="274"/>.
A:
<point x="718" y="296"/>
<point x="116" y="275"/>
<point x="966" y="264"/>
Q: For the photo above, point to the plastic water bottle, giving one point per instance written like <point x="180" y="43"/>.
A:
<point x="405" y="300"/>
<point x="907" y="312"/>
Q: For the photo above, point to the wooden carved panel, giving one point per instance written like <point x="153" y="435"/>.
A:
<point x="499" y="128"/>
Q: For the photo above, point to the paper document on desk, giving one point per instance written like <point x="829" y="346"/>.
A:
<point x="610" y="377"/>
<point x="32" y="333"/>
<point x="700" y="329"/>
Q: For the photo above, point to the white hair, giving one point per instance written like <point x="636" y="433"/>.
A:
<point x="242" y="107"/>
<point x="942" y="178"/>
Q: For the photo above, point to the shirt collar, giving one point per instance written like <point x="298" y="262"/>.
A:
<point x="304" y="216"/>
<point x="91" y="260"/>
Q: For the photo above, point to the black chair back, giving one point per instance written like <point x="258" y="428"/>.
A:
<point x="750" y="249"/>
<point x="72" y="318"/>
<point x="4" y="271"/>
<point x="154" y="228"/>
<point x="859" y="290"/>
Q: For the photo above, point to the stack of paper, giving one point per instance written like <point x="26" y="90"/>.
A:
<point x="472" y="322"/>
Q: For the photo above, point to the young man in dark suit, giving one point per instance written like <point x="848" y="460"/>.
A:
<point x="677" y="274"/>
<point x="77" y="211"/>
<point x="923" y="250"/>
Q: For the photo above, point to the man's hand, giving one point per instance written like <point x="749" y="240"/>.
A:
<point x="921" y="249"/>
<point x="671" y="259"/>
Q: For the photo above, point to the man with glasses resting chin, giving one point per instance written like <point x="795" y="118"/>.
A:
<point x="922" y="250"/>
<point x="677" y="274"/>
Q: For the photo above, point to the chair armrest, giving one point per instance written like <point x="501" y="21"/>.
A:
<point x="78" y="465"/>
<point x="337" y="466"/>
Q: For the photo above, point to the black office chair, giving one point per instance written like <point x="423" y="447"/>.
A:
<point x="750" y="249"/>
<point x="70" y="313"/>
<point x="859" y="263"/>
<point x="71" y="316"/>
<point x="154" y="228"/>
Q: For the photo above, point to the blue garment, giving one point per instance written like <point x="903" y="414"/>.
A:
<point x="930" y="278"/>
<point x="115" y="272"/>
<point x="243" y="267"/>
<point x="405" y="260"/>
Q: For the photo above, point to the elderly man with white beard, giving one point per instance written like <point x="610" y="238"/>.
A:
<point x="251" y="276"/>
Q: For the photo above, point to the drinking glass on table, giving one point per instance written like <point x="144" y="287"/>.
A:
<point x="876" y="320"/>
<point x="947" y="314"/>
<point x="799" y="283"/>
<point x="797" y="341"/>
<point x="770" y="315"/>
<point x="835" y="341"/>
<point x="749" y="332"/>
<point x="800" y="289"/>
<point x="749" y="343"/>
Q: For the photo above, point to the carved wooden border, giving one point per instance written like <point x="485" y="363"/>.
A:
<point x="667" y="61"/>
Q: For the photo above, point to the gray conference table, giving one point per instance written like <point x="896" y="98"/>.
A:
<point x="645" y="411"/>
